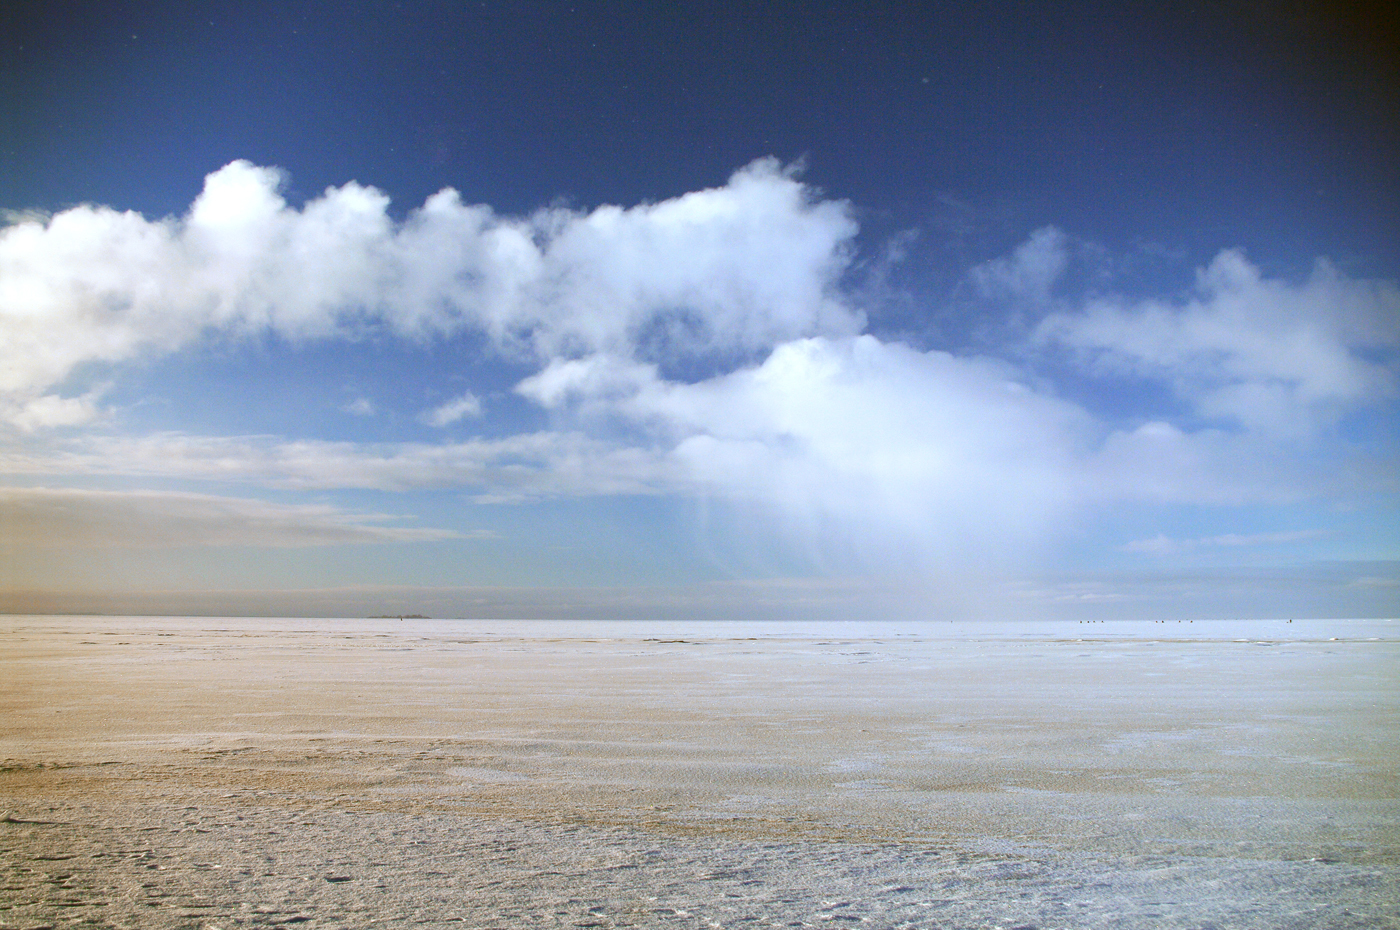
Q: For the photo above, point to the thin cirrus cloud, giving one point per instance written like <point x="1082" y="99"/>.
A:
<point x="459" y="408"/>
<point x="45" y="518"/>
<point x="527" y="466"/>
<point x="1162" y="544"/>
<point x="805" y="415"/>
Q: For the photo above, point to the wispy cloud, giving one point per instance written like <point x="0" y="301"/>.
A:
<point x="1162" y="544"/>
<point x="1029" y="272"/>
<point x="523" y="467"/>
<point x="467" y="405"/>
<point x="65" y="517"/>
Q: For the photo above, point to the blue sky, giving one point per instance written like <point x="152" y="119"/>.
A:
<point x="940" y="310"/>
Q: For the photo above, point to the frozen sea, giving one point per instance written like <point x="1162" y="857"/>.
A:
<point x="224" y="772"/>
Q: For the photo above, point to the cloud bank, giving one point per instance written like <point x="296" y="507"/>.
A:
<point x="795" y="411"/>
<point x="52" y="518"/>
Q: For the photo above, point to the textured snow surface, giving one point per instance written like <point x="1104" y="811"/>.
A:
<point x="195" y="772"/>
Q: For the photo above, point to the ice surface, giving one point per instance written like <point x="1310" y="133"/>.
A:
<point x="173" y="772"/>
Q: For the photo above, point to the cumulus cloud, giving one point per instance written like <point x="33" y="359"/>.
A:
<point x="60" y="517"/>
<point x="467" y="405"/>
<point x="921" y="449"/>
<point x="730" y="269"/>
<point x="47" y="411"/>
<point x="360" y="407"/>
<point x="913" y="459"/>
<point x="801" y="422"/>
<point x="1261" y="354"/>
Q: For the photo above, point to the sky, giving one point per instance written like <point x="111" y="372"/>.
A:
<point x="919" y="311"/>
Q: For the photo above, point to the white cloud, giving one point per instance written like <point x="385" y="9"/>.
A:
<point x="1261" y="539"/>
<point x="1028" y="273"/>
<point x="889" y="453"/>
<point x="528" y="466"/>
<point x="1161" y="544"/>
<point x="834" y="438"/>
<point x="854" y="447"/>
<point x="875" y="444"/>
<point x="888" y="435"/>
<point x="1161" y="463"/>
<point x="1274" y="357"/>
<point x="730" y="269"/>
<point x="11" y="217"/>
<point x="875" y="448"/>
<point x="61" y="517"/>
<point x="360" y="407"/>
<point x="48" y="411"/>
<point x="456" y="409"/>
